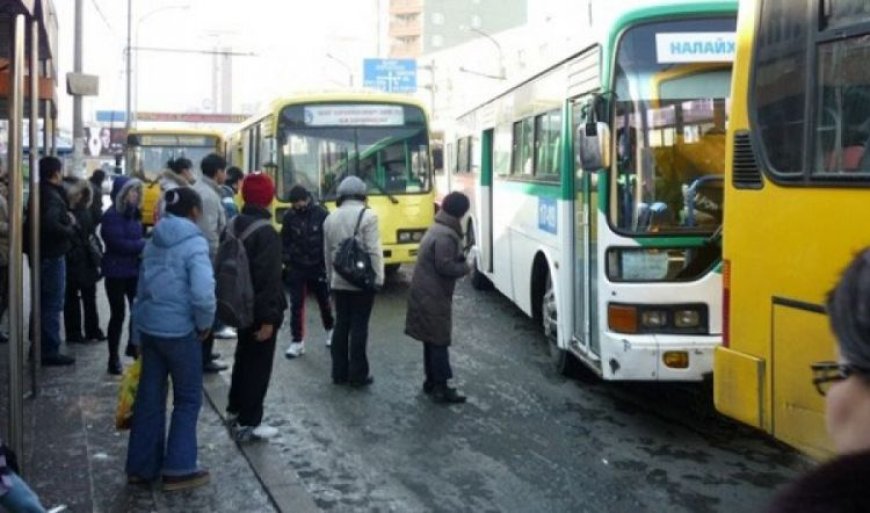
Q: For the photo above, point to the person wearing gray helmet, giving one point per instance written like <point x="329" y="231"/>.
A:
<point x="353" y="306"/>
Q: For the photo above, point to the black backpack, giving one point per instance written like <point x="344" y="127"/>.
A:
<point x="352" y="261"/>
<point x="234" y="285"/>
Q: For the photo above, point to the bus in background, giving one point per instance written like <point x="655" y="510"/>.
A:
<point x="148" y="151"/>
<point x="798" y="176"/>
<point x="317" y="140"/>
<point x="599" y="196"/>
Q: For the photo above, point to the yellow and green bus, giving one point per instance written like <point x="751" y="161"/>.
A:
<point x="797" y="178"/>
<point x="148" y="151"/>
<point x="317" y="140"/>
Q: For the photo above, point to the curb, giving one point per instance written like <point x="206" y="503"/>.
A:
<point x="283" y="487"/>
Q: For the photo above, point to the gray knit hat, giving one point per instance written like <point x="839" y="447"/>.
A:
<point x="351" y="186"/>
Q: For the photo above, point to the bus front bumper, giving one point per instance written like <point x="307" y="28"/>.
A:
<point x="400" y="253"/>
<point x="660" y="357"/>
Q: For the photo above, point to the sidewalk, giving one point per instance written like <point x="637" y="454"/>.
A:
<point x="75" y="457"/>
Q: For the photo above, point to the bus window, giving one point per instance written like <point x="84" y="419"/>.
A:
<point x="779" y="84"/>
<point x="843" y="121"/>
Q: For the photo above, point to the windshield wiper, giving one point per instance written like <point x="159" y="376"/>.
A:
<point x="387" y="193"/>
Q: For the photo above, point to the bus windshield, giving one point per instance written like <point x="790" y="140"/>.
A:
<point x="390" y="155"/>
<point x="672" y="90"/>
<point x="148" y="153"/>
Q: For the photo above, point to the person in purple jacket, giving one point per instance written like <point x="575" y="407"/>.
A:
<point x="124" y="239"/>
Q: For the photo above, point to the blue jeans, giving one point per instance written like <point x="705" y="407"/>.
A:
<point x="148" y="451"/>
<point x="20" y="498"/>
<point x="51" y="295"/>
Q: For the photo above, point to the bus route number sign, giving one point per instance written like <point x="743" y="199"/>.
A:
<point x="674" y="47"/>
<point x="547" y="215"/>
<point x="354" y="115"/>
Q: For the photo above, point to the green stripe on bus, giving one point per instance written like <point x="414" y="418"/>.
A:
<point x="486" y="159"/>
<point x="567" y="164"/>
<point x="538" y="189"/>
<point x="694" y="241"/>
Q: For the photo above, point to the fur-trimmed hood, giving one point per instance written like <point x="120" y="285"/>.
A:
<point x="121" y="187"/>
<point x="169" y="180"/>
<point x="79" y="193"/>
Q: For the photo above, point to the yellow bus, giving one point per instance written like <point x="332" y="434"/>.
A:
<point x="316" y="140"/>
<point x="148" y="151"/>
<point x="797" y="180"/>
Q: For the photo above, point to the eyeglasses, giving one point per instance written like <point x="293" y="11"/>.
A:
<point x="825" y="374"/>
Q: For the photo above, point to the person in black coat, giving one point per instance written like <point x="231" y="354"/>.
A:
<point x="55" y="235"/>
<point x="255" y="349"/>
<point x="96" y="181"/>
<point x="840" y="485"/>
<point x="304" y="265"/>
<point x="83" y="268"/>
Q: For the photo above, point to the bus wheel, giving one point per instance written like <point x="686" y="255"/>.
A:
<point x="391" y="269"/>
<point x="561" y="360"/>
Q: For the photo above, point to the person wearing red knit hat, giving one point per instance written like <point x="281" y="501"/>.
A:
<point x="256" y="345"/>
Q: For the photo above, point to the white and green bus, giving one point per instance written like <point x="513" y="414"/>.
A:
<point x="598" y="193"/>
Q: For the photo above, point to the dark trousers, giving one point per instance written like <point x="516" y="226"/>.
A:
<point x="80" y="298"/>
<point x="299" y="285"/>
<point x="119" y="289"/>
<point x="436" y="364"/>
<point x="207" y="348"/>
<point x="52" y="293"/>
<point x="250" y="380"/>
<point x="349" y="360"/>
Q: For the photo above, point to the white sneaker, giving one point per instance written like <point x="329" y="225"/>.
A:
<point x="264" y="432"/>
<point x="226" y="333"/>
<point x="329" y="338"/>
<point x="295" y="349"/>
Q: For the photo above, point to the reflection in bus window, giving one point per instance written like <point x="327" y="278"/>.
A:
<point x="843" y="123"/>
<point x="670" y="136"/>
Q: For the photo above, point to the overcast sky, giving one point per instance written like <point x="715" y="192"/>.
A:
<point x="289" y="37"/>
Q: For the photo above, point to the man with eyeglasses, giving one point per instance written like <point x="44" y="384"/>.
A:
<point x="840" y="485"/>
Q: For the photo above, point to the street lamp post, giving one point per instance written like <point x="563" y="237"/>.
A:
<point x="130" y="48"/>
<point x="502" y="75"/>
<point x="346" y="66"/>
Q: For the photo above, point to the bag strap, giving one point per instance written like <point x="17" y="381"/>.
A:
<point x="256" y="225"/>
<point x="359" y="221"/>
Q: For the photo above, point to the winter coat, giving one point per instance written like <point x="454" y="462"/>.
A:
<point x="339" y="225"/>
<point x="4" y="227"/>
<point x="838" y="486"/>
<point x="82" y="262"/>
<point x="228" y="200"/>
<point x="213" y="219"/>
<point x="263" y="248"/>
<point x="122" y="232"/>
<point x="176" y="294"/>
<point x="167" y="181"/>
<point x="302" y="238"/>
<point x="96" y="207"/>
<point x="440" y="263"/>
<point x="56" y="231"/>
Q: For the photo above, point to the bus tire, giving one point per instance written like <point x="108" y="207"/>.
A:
<point x="562" y="361"/>
<point x="391" y="269"/>
<point x="479" y="281"/>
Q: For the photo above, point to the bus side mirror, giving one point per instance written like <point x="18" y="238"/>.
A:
<point x="593" y="146"/>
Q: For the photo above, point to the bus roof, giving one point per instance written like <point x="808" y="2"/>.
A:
<point x="665" y="9"/>
<point x="355" y="96"/>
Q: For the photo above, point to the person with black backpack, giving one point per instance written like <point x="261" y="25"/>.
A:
<point x="257" y="337"/>
<point x="355" y="265"/>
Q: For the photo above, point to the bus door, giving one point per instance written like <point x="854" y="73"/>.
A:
<point x="581" y="286"/>
<point x="486" y="204"/>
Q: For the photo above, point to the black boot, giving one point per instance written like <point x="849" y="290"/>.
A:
<point x="443" y="394"/>
<point x="115" y="368"/>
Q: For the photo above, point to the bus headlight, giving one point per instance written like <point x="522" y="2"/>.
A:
<point x="654" y="319"/>
<point x="687" y="318"/>
<point x="409" y="236"/>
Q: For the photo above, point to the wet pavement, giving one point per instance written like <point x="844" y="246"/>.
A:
<point x="75" y="457"/>
<point x="527" y="440"/>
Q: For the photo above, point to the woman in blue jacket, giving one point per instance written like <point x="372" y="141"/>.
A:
<point x="124" y="239"/>
<point x="174" y="311"/>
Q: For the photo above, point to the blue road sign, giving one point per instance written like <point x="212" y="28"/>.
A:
<point x="390" y="75"/>
<point x="110" y="116"/>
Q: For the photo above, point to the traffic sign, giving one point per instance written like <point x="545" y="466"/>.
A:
<point x="111" y="116"/>
<point x="390" y="75"/>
